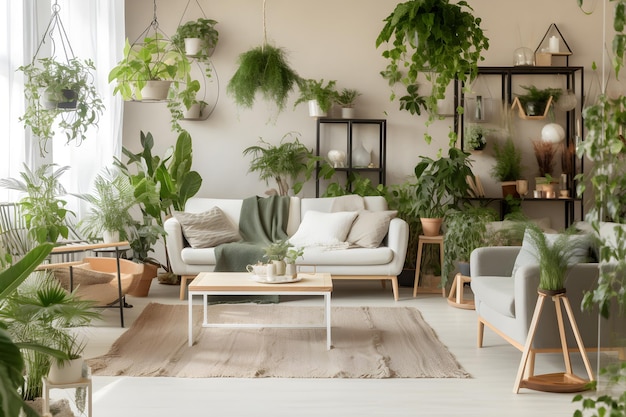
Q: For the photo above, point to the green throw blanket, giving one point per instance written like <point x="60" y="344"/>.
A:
<point x="262" y="221"/>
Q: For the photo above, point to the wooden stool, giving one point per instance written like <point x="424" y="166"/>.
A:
<point x="423" y="240"/>
<point x="455" y="297"/>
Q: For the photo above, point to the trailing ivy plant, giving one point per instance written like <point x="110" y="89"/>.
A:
<point x="442" y="41"/>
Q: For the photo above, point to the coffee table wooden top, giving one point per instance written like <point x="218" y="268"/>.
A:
<point x="242" y="281"/>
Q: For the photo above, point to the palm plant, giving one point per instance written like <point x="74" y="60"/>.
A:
<point x="285" y="161"/>
<point x="43" y="210"/>
<point x="111" y="201"/>
<point x="41" y="312"/>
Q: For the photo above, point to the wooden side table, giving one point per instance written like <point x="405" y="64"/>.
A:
<point x="455" y="297"/>
<point x="425" y="240"/>
<point x="48" y="385"/>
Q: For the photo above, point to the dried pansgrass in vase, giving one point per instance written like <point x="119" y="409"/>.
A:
<point x="544" y="152"/>
<point x="567" y="157"/>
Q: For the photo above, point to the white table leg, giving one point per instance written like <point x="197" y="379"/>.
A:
<point x="327" y="314"/>
<point x="190" y="298"/>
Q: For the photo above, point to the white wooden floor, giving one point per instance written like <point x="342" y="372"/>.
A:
<point x="487" y="393"/>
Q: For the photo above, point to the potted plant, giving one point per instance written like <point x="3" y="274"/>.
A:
<point x="346" y="99"/>
<point x="275" y="253"/>
<point x="438" y="40"/>
<point x="110" y="203"/>
<point x="439" y="185"/>
<point x="263" y="70"/>
<point x="70" y="370"/>
<point x="508" y="166"/>
<point x="465" y="230"/>
<point x="535" y="101"/>
<point x="43" y="210"/>
<point x="475" y="137"/>
<point x="290" y="261"/>
<point x="54" y="88"/>
<point x="320" y="97"/>
<point x="282" y="162"/>
<point x="148" y="69"/>
<point x="198" y="38"/>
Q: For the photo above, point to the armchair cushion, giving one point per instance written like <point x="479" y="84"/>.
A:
<point x="499" y="292"/>
<point x="208" y="229"/>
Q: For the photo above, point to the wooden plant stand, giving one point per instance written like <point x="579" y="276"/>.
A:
<point x="455" y="297"/>
<point x="556" y="382"/>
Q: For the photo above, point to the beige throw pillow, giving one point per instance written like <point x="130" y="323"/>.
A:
<point x="208" y="229"/>
<point x="370" y="227"/>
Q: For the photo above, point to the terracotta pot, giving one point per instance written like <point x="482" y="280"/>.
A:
<point x="142" y="286"/>
<point x="431" y="226"/>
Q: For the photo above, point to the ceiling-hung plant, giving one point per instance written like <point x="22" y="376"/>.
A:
<point x="434" y="39"/>
<point x="60" y="90"/>
<point x="265" y="70"/>
<point x="198" y="38"/>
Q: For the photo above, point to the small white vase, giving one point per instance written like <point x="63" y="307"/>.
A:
<point x="155" y="90"/>
<point x="109" y="236"/>
<point x="71" y="371"/>
<point x="315" y="110"/>
<point x="361" y="157"/>
<point x="347" y="112"/>
<point x="193" y="112"/>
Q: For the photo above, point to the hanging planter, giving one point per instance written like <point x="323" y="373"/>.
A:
<point x="264" y="70"/>
<point x="60" y="92"/>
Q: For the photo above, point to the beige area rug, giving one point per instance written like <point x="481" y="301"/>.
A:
<point x="368" y="342"/>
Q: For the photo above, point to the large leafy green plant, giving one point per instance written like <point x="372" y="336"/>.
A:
<point x="11" y="360"/>
<point x="63" y="93"/>
<point x="434" y="39"/>
<point x="441" y="183"/>
<point x="43" y="210"/>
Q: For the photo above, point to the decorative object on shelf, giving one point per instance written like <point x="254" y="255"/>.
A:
<point x="568" y="101"/>
<point x="523" y="57"/>
<point x="536" y="103"/>
<point x="337" y="158"/>
<point x="552" y="44"/>
<point x="262" y="69"/>
<point x="552" y="133"/>
<point x="544" y="154"/>
<point x="361" y="157"/>
<point x="59" y="90"/>
<point x="440" y="40"/>
<point x="346" y="99"/>
<point x="475" y="137"/>
<point x="521" y="186"/>
<point x="319" y="97"/>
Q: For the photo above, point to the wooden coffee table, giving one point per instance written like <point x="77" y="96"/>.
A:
<point x="241" y="283"/>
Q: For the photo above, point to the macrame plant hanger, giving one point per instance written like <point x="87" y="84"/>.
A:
<point x="209" y="72"/>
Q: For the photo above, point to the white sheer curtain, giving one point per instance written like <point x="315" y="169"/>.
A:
<point x="95" y="29"/>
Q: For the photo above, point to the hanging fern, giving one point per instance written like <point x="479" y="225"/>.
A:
<point x="263" y="69"/>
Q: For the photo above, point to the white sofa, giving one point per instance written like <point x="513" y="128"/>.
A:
<point x="382" y="263"/>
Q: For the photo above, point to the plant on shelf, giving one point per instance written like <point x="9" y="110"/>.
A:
<point x="508" y="166"/>
<point x="475" y="137"/>
<point x="198" y="38"/>
<point x="11" y="361"/>
<point x="63" y="93"/>
<point x="347" y="97"/>
<point x="355" y="184"/>
<point x="534" y="101"/>
<point x="43" y="210"/>
<point x="283" y="162"/>
<point x="544" y="153"/>
<point x="465" y="230"/>
<point x="110" y="203"/>
<point x="263" y="70"/>
<point x="438" y="40"/>
<point x="440" y="184"/>
<point x="317" y="95"/>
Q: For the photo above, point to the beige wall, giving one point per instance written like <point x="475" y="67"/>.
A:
<point x="334" y="40"/>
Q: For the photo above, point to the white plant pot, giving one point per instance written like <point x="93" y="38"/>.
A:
<point x="193" y="112"/>
<point x="193" y="46"/>
<point x="111" y="236"/>
<point x="71" y="371"/>
<point x="155" y="90"/>
<point x="347" y="112"/>
<point x="315" y="110"/>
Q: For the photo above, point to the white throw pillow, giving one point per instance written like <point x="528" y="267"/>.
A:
<point x="323" y="229"/>
<point x="370" y="227"/>
<point x="208" y="229"/>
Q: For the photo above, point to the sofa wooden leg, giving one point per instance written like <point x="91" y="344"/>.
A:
<point x="183" y="284"/>
<point x="481" y="332"/>
<point x="383" y="283"/>
<point x="394" y="286"/>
